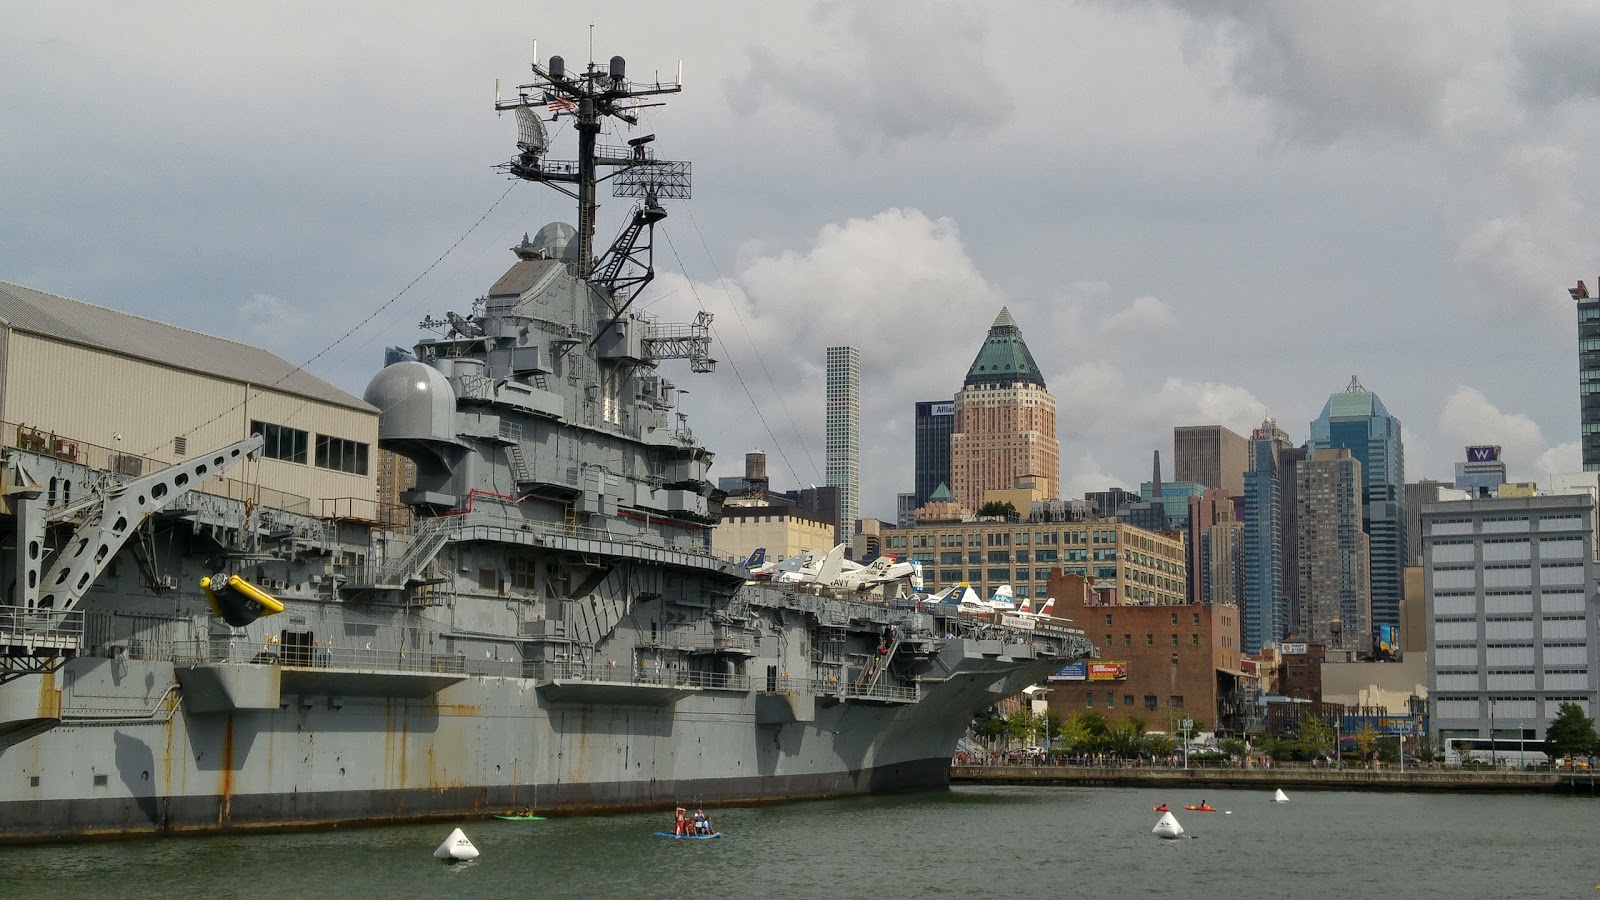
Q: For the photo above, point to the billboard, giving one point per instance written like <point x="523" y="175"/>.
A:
<point x="942" y="409"/>
<point x="1077" y="671"/>
<point x="1108" y="671"/>
<point x="1294" y="649"/>
<point x="1483" y="454"/>
<point x="1388" y="640"/>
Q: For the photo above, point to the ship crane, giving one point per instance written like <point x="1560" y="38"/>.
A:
<point x="36" y="629"/>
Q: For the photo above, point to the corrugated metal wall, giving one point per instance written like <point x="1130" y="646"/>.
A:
<point x="92" y="397"/>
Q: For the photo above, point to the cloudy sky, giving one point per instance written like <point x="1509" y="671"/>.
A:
<point x="1198" y="212"/>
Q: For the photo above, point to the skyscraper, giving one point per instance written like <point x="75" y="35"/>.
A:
<point x="1211" y="455"/>
<point x="1356" y="420"/>
<point x="844" y="433"/>
<point x="1211" y="507"/>
<point x="1588" y="373"/>
<point x="935" y="422"/>
<point x="1005" y="428"/>
<point x="1483" y="472"/>
<point x="1222" y="564"/>
<point x="1270" y="538"/>
<point x="1335" y="585"/>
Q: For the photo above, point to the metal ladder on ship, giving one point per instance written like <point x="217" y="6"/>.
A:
<point x="868" y="682"/>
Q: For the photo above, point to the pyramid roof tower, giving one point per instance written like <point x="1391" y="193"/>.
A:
<point x="1004" y="356"/>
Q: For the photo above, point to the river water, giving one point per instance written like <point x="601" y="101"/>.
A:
<point x="1026" y="842"/>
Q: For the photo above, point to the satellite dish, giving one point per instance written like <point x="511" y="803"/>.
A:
<point x="531" y="137"/>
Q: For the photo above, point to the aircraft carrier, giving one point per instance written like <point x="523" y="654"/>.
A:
<point x="552" y="629"/>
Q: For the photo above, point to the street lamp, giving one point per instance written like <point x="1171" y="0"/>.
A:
<point x="1494" y="761"/>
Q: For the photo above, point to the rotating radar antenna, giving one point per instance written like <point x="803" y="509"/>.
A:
<point x="588" y="98"/>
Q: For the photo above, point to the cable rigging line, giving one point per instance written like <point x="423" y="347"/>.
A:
<point x="735" y="366"/>
<point x="750" y="339"/>
<point x="262" y="389"/>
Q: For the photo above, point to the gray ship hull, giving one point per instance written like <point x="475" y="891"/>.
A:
<point x="484" y="745"/>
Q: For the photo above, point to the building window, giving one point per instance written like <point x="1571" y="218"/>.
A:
<point x="1108" y="640"/>
<point x="1197" y="618"/>
<point x="1088" y="699"/>
<point x="341" y="455"/>
<point x="1174" y="639"/>
<point x="1149" y="640"/>
<point x="1127" y="640"/>
<point x="1194" y="640"/>
<point x="1177" y="701"/>
<point x="1149" y="701"/>
<point x="1108" y="618"/>
<point x="1127" y="699"/>
<point x="282" y="442"/>
<point x="1174" y="618"/>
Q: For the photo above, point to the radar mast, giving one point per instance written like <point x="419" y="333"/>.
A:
<point x="588" y="98"/>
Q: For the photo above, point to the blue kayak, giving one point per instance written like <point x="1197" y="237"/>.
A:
<point x="689" y="837"/>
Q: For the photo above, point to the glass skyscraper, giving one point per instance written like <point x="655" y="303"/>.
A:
<point x="1356" y="420"/>
<point x="935" y="422"/>
<point x="1268" y="541"/>
<point x="1588" y="373"/>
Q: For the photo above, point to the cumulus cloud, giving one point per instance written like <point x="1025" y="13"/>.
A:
<point x="1562" y="459"/>
<point x="899" y="286"/>
<point x="1471" y="418"/>
<point x="271" y="322"/>
<point x="1325" y="72"/>
<point x="1543" y="232"/>
<point x="1145" y="318"/>
<point x="1554" y="50"/>
<point x="1083" y="473"/>
<point x="879" y="85"/>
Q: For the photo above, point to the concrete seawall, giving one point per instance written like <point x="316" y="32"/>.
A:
<point x="1579" y="784"/>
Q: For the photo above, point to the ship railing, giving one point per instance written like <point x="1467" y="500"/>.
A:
<point x="557" y="530"/>
<point x="739" y="642"/>
<point x="620" y="674"/>
<point x="41" y="629"/>
<point x="321" y="656"/>
<point x="882" y="691"/>
<point x="789" y="684"/>
<point x="157" y="636"/>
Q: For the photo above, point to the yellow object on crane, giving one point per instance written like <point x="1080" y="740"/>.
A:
<point x="238" y="602"/>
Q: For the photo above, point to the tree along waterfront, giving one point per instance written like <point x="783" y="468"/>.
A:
<point x="1088" y="737"/>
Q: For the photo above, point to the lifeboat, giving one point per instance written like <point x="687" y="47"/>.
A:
<point x="237" y="601"/>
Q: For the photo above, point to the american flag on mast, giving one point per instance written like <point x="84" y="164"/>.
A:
<point x="557" y="103"/>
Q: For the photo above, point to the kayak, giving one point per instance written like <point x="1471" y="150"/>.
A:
<point x="689" y="837"/>
<point x="1201" y="808"/>
<point x="1162" y="808"/>
<point x="521" y="818"/>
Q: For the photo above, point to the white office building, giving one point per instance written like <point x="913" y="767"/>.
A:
<point x="844" y="434"/>
<point x="1511" y="613"/>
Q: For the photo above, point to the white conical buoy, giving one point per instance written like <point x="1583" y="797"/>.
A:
<point x="1168" y="827"/>
<point x="456" y="847"/>
<point x="1279" y="796"/>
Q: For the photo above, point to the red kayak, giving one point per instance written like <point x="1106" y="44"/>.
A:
<point x="1161" y="808"/>
<point x="1201" y="808"/>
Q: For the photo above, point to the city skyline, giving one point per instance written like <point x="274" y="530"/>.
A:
<point x="1248" y="203"/>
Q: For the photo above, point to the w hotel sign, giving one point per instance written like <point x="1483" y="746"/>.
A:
<point x="1483" y="454"/>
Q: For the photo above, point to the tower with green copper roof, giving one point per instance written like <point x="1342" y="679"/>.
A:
<point x="1005" y="429"/>
<point x="1004" y="357"/>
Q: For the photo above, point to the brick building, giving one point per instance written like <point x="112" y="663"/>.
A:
<point x="1160" y="664"/>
